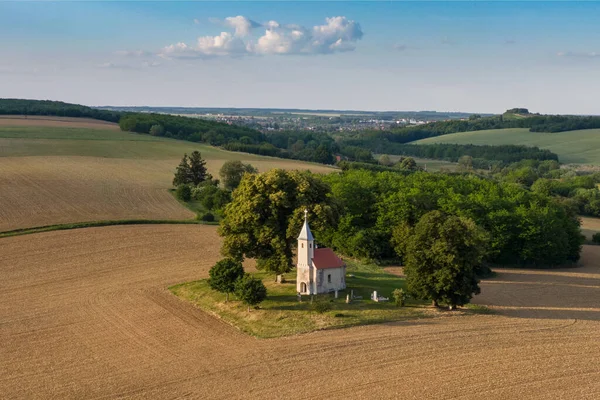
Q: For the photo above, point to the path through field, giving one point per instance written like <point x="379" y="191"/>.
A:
<point x="86" y="314"/>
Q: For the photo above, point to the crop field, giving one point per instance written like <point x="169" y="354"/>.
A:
<point x="63" y="173"/>
<point x="573" y="147"/>
<point x="87" y="314"/>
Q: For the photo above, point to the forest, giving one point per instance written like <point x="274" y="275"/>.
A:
<point x="525" y="227"/>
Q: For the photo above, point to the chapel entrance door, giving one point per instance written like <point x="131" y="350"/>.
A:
<point x="303" y="287"/>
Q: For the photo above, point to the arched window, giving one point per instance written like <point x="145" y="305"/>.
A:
<point x="302" y="245"/>
<point x="310" y="245"/>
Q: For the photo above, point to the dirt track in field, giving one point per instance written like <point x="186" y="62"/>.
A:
<point x="86" y="314"/>
<point x="66" y="122"/>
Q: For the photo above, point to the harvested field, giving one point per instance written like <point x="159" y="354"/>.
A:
<point x="53" y="175"/>
<point x="86" y="314"/>
<point x="66" y="122"/>
<point x="38" y="191"/>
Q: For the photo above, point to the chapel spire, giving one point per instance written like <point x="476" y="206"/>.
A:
<point x="305" y="233"/>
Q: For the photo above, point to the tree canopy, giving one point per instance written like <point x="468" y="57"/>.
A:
<point x="250" y="290"/>
<point x="442" y="254"/>
<point x="191" y="170"/>
<point x="232" y="171"/>
<point x="266" y="213"/>
<point x="224" y="274"/>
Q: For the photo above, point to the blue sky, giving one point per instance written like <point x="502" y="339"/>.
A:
<point x="446" y="56"/>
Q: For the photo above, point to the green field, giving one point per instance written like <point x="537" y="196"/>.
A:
<point x="572" y="147"/>
<point x="427" y="163"/>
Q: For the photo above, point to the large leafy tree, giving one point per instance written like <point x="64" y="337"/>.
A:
<point x="442" y="255"/>
<point x="266" y="213"/>
<point x="232" y="171"/>
<point x="224" y="274"/>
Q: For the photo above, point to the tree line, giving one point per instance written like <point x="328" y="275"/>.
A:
<point x="503" y="154"/>
<point x="55" y="108"/>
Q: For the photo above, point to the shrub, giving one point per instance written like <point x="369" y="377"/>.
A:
<point x="399" y="297"/>
<point x="183" y="192"/>
<point x="596" y="238"/>
<point x="250" y="290"/>
<point x="321" y="306"/>
<point x="224" y="275"/>
<point x="208" y="217"/>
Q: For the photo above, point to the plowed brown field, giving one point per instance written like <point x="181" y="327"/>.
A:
<point x="86" y="314"/>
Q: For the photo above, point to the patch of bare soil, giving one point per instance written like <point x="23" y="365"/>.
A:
<point x="86" y="314"/>
<point x="21" y="120"/>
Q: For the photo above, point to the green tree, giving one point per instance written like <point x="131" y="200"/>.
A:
<point x="183" y="173"/>
<point x="408" y="164"/>
<point x="250" y="291"/>
<point x="224" y="274"/>
<point x="465" y="163"/>
<point x="198" y="171"/>
<point x="266" y="213"/>
<point x="183" y="192"/>
<point x="384" y="159"/>
<point x="441" y="258"/>
<point x="157" y="130"/>
<point x="232" y="171"/>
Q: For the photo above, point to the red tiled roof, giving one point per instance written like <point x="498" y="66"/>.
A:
<point x="326" y="258"/>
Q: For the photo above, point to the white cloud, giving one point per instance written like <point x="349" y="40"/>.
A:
<point x="591" y="54"/>
<point x="242" y="25"/>
<point x="196" y="21"/>
<point x="338" y="34"/>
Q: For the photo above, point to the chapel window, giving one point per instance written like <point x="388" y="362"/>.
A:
<point x="329" y="278"/>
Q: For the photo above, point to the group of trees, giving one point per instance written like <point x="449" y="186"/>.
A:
<point x="192" y="181"/>
<point x="443" y="227"/>
<point x="228" y="276"/>
<point x="483" y="156"/>
<point x="55" y="108"/>
<point x="187" y="128"/>
<point x="266" y="212"/>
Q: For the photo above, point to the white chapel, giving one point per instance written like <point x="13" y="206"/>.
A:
<point x="319" y="270"/>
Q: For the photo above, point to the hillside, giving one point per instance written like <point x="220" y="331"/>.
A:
<point x="74" y="170"/>
<point x="572" y="147"/>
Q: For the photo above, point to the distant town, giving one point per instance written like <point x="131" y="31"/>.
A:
<point x="267" y="120"/>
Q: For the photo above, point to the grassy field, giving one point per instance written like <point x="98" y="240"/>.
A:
<point x="281" y="314"/>
<point x="86" y="314"/>
<point x="68" y="172"/>
<point x="573" y="147"/>
<point x="430" y="164"/>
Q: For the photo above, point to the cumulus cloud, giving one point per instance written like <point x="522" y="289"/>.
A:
<point x="591" y="54"/>
<point x="338" y="34"/>
<point x="242" y="25"/>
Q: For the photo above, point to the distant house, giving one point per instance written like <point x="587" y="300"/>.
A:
<point x="318" y="270"/>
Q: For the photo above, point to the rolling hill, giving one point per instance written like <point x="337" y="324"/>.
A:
<point x="64" y="170"/>
<point x="572" y="147"/>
